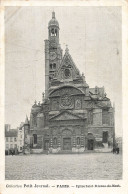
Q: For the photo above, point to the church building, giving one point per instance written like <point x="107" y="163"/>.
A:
<point x="72" y="116"/>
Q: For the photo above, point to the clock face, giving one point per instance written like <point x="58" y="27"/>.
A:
<point x="52" y="55"/>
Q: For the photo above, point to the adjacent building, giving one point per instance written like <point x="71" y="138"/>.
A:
<point x="11" y="140"/>
<point x="14" y="139"/>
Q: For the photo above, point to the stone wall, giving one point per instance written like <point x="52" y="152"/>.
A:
<point x="97" y="116"/>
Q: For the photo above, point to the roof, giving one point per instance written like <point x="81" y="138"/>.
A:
<point x="11" y="133"/>
<point x="97" y="90"/>
<point x="53" y="21"/>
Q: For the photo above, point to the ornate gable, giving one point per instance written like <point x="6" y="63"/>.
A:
<point x="65" y="115"/>
<point x="67" y="69"/>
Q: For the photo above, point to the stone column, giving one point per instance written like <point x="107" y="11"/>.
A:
<point x="46" y="68"/>
<point x="82" y="140"/>
<point x="59" y="142"/>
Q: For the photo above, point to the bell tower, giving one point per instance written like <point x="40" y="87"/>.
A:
<point x="53" y="28"/>
<point x="53" y="53"/>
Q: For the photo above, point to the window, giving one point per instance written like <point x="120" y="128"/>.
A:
<point x="7" y="146"/>
<point x="55" y="32"/>
<point x="34" y="121"/>
<point x="15" y="139"/>
<point x="6" y="139"/>
<point x="11" y="145"/>
<point x="105" y="117"/>
<point x="50" y="66"/>
<point x="15" y="145"/>
<point x="21" y="148"/>
<point x="96" y="89"/>
<point x="35" y="138"/>
<point x="78" y="140"/>
<point x="20" y="142"/>
<point x="90" y="117"/>
<point x="105" y="136"/>
<point x="78" y="104"/>
<point x="55" y="141"/>
<point x="11" y="139"/>
<point x="21" y="136"/>
<point x="54" y="66"/>
<point x="52" y="32"/>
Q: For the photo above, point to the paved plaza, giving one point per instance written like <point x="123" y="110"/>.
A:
<point x="89" y="166"/>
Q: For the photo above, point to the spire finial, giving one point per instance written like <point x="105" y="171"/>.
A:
<point x="26" y="120"/>
<point x="53" y="15"/>
<point x="66" y="48"/>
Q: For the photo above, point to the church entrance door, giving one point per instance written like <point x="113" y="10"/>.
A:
<point x="105" y="136"/>
<point x="90" y="144"/>
<point x="66" y="143"/>
<point x="46" y="145"/>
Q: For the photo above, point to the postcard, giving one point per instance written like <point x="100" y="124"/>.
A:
<point x="64" y="97"/>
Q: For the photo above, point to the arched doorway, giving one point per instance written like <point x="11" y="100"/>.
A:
<point x="90" y="141"/>
<point x="46" y="142"/>
<point x="66" y="135"/>
<point x="90" y="144"/>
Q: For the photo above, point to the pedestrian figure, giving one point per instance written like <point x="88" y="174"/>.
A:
<point x="12" y="152"/>
<point x="117" y="150"/>
<point x="114" y="150"/>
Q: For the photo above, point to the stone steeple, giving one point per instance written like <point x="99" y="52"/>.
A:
<point x="26" y="121"/>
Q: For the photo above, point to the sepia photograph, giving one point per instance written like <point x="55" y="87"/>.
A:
<point x="63" y="93"/>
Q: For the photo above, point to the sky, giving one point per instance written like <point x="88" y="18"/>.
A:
<point x="93" y="36"/>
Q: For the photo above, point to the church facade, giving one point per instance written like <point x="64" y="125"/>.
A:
<point x="72" y="117"/>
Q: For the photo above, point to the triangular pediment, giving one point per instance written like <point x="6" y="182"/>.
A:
<point x="65" y="115"/>
<point x="68" y="65"/>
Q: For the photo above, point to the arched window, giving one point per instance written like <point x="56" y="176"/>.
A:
<point x="52" y="32"/>
<point x="55" y="141"/>
<point x="50" y="66"/>
<point x="55" y="32"/>
<point x="78" y="140"/>
<point x="54" y="66"/>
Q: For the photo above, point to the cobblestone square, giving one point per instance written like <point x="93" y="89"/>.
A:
<point x="90" y="166"/>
